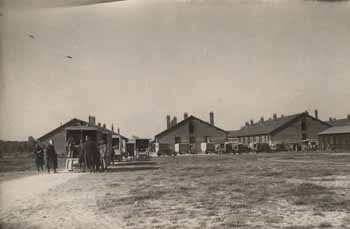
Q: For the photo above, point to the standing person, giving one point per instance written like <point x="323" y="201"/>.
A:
<point x="112" y="155"/>
<point x="91" y="153"/>
<point x="82" y="162"/>
<point x="51" y="157"/>
<point x="103" y="155"/>
<point x="39" y="157"/>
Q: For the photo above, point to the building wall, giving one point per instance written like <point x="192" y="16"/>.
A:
<point x="335" y="142"/>
<point x="294" y="132"/>
<point x="201" y="133"/>
<point x="59" y="139"/>
<point x="253" y="139"/>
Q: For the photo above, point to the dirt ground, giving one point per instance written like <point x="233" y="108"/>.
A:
<point x="285" y="190"/>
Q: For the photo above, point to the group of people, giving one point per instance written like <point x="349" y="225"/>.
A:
<point x="92" y="156"/>
<point x="51" y="157"/>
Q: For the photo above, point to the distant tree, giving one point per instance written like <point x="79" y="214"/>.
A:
<point x="26" y="147"/>
<point x="21" y="147"/>
<point x="5" y="148"/>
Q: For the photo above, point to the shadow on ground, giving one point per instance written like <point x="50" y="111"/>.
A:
<point x="129" y="169"/>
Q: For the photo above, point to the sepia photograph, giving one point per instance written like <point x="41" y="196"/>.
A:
<point x="174" y="114"/>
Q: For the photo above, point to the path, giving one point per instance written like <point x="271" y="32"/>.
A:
<point x="13" y="192"/>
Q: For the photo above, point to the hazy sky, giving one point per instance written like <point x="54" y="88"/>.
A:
<point x="133" y="62"/>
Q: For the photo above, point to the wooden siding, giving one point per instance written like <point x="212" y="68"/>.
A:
<point x="335" y="142"/>
<point x="293" y="132"/>
<point x="201" y="131"/>
<point x="59" y="139"/>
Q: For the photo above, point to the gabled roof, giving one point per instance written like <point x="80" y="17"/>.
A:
<point x="336" y="130"/>
<point x="183" y="122"/>
<point x="340" y="122"/>
<point x="269" y="126"/>
<point x="95" y="128"/>
<point x="72" y="125"/>
<point x="65" y="125"/>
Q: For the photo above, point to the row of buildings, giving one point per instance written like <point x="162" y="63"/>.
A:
<point x="292" y="130"/>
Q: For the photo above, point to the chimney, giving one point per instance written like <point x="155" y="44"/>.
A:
<point x="99" y="124"/>
<point x="112" y="128"/>
<point x="262" y="119"/>
<point x="246" y="123"/>
<point x="306" y="111"/>
<point x="275" y="116"/>
<point x="92" y="120"/>
<point x="282" y="115"/>
<point x="211" y="118"/>
<point x="330" y="119"/>
<point x="168" y="123"/>
<point x="349" y="116"/>
<point x="252" y="122"/>
<point x="316" y="113"/>
<point x="104" y="125"/>
<point x="185" y="115"/>
<point x="174" y="121"/>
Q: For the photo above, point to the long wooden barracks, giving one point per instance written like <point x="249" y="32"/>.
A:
<point x="191" y="130"/>
<point x="58" y="135"/>
<point x="292" y="130"/>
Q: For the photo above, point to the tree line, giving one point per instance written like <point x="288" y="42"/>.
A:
<point x="17" y="148"/>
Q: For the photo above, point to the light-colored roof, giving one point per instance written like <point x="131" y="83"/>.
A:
<point x="336" y="130"/>
<point x="265" y="127"/>
<point x="269" y="126"/>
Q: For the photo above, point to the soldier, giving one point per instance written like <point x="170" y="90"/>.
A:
<point x="51" y="157"/>
<point x="39" y="157"/>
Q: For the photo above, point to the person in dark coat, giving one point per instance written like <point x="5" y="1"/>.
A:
<point x="91" y="154"/>
<point x="39" y="157"/>
<point x="51" y="157"/>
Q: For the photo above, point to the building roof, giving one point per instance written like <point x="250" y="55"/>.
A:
<point x="72" y="125"/>
<point x="269" y="126"/>
<point x="71" y="122"/>
<point x="95" y="128"/>
<point x="183" y="122"/>
<point x="340" y="122"/>
<point x="336" y="130"/>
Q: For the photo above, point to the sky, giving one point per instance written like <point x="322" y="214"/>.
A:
<point x="133" y="62"/>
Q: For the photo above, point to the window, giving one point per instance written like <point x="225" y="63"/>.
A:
<point x="192" y="140"/>
<point x="303" y="124"/>
<point x="191" y="127"/>
<point x="177" y="140"/>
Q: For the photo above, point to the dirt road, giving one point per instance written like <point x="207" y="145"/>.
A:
<point x="222" y="191"/>
<point x="14" y="192"/>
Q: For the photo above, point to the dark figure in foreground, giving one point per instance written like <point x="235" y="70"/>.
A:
<point x="39" y="157"/>
<point x="51" y="157"/>
<point x="91" y="155"/>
